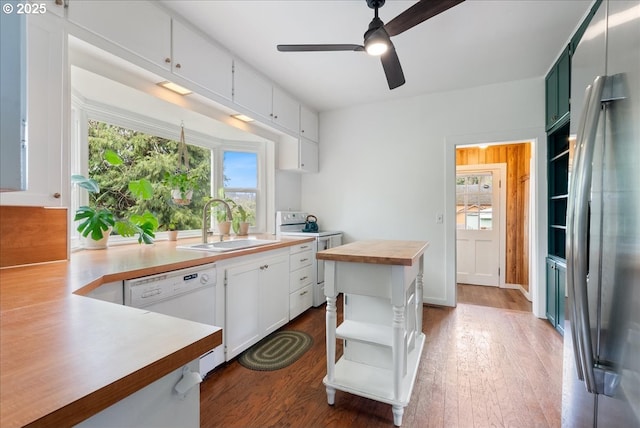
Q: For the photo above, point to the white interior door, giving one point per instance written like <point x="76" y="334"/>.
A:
<point x="479" y="221"/>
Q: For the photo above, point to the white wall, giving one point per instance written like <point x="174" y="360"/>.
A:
<point x="382" y="166"/>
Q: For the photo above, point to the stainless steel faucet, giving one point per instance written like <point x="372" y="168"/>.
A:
<point x="205" y="217"/>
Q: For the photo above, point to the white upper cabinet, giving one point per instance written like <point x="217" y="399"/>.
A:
<point x="47" y="179"/>
<point x="257" y="94"/>
<point x="198" y="60"/>
<point x="251" y="90"/>
<point x="137" y="26"/>
<point x="297" y="154"/>
<point x="308" y="124"/>
<point x="286" y="111"/>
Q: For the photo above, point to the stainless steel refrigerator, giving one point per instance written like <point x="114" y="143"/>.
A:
<point x="601" y="374"/>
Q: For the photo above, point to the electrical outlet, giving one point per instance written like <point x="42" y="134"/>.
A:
<point x="439" y="218"/>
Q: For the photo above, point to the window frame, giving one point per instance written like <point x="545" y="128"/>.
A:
<point x="84" y="110"/>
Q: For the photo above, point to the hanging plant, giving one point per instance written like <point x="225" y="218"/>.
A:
<point x="181" y="183"/>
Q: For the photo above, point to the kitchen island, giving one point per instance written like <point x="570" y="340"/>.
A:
<point x="382" y="283"/>
<point x="65" y="357"/>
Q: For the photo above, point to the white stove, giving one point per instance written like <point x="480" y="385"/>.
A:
<point x="291" y="223"/>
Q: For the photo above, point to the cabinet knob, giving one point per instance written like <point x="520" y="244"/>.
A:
<point x="57" y="195"/>
<point x="167" y="60"/>
<point x="178" y="65"/>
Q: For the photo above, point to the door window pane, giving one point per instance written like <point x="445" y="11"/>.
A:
<point x="474" y="201"/>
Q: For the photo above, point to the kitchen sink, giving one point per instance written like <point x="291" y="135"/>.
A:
<point x="235" y="244"/>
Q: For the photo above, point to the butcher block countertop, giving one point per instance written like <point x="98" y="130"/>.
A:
<point x="65" y="357"/>
<point x="381" y="252"/>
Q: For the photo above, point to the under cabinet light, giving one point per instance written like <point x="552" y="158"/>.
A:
<point x="174" y="87"/>
<point x="242" y="117"/>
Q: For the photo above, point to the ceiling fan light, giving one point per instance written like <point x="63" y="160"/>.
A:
<point x="376" y="47"/>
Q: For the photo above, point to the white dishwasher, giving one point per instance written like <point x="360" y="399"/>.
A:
<point x="188" y="294"/>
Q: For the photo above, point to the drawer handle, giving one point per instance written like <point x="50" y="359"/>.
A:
<point x="304" y="247"/>
<point x="303" y="278"/>
<point x="304" y="292"/>
<point x="304" y="260"/>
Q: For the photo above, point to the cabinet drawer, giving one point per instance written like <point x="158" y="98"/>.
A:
<point x="300" y="301"/>
<point x="300" y="278"/>
<point x="300" y="260"/>
<point x="307" y="246"/>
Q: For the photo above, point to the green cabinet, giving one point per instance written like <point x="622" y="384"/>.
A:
<point x="559" y="155"/>
<point x="556" y="289"/>
<point x="558" y="90"/>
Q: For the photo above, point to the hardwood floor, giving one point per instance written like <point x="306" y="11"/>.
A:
<point x="495" y="297"/>
<point x="481" y="367"/>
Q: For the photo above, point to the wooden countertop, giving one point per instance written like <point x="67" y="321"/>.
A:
<point x="65" y="357"/>
<point x="403" y="253"/>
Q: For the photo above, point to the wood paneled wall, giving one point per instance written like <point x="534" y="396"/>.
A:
<point x="517" y="157"/>
<point x="32" y="235"/>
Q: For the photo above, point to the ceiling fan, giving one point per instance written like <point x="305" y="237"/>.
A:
<point x="377" y="39"/>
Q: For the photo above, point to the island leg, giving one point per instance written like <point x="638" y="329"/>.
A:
<point x="331" y="395"/>
<point x="398" y="411"/>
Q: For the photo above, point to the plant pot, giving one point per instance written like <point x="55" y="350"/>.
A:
<point x="173" y="235"/>
<point x="243" y="228"/>
<point x="224" y="227"/>
<point x="178" y="198"/>
<point x="89" y="243"/>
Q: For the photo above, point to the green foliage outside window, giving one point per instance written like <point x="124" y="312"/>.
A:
<point x="151" y="157"/>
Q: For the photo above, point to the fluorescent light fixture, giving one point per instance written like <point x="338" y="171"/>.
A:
<point x="483" y="146"/>
<point x="242" y="117"/>
<point x="174" y="87"/>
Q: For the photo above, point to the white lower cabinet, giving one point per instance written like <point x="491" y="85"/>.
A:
<point x="256" y="300"/>
<point x="300" y="279"/>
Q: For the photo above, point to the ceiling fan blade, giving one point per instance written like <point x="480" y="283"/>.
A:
<point x="392" y="68"/>
<point x="418" y="13"/>
<point x="319" y="48"/>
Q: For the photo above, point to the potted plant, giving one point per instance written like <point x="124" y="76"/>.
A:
<point x="182" y="185"/>
<point x="241" y="220"/>
<point x="96" y="222"/>
<point x="224" y="225"/>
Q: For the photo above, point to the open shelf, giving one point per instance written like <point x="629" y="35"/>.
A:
<point x="364" y="332"/>
<point x="375" y="383"/>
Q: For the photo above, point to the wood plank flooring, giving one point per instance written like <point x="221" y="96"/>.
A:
<point x="495" y="297"/>
<point x="481" y="367"/>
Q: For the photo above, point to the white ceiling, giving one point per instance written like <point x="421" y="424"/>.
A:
<point x="478" y="42"/>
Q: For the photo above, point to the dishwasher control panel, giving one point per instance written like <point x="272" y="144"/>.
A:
<point x="144" y="291"/>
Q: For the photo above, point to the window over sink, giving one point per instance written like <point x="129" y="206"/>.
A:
<point x="150" y="149"/>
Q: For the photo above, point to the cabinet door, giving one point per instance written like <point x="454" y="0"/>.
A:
<point x="200" y="61"/>
<point x="251" y="90"/>
<point x="561" y="281"/>
<point x="241" y="328"/>
<point x="13" y="110"/>
<point x="45" y="95"/>
<point x="564" y="84"/>
<point x="274" y="294"/>
<point x="551" y="94"/>
<point x="137" y="26"/>
<point x="308" y="124"/>
<point x="286" y="111"/>
<point x="552" y="293"/>
<point x="308" y="155"/>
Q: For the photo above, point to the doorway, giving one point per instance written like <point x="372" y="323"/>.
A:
<point x="478" y="259"/>
<point x="480" y="224"/>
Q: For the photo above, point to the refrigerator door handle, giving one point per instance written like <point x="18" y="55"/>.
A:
<point x="580" y="231"/>
<point x="575" y="174"/>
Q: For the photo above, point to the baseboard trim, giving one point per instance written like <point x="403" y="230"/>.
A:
<point x="519" y="287"/>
